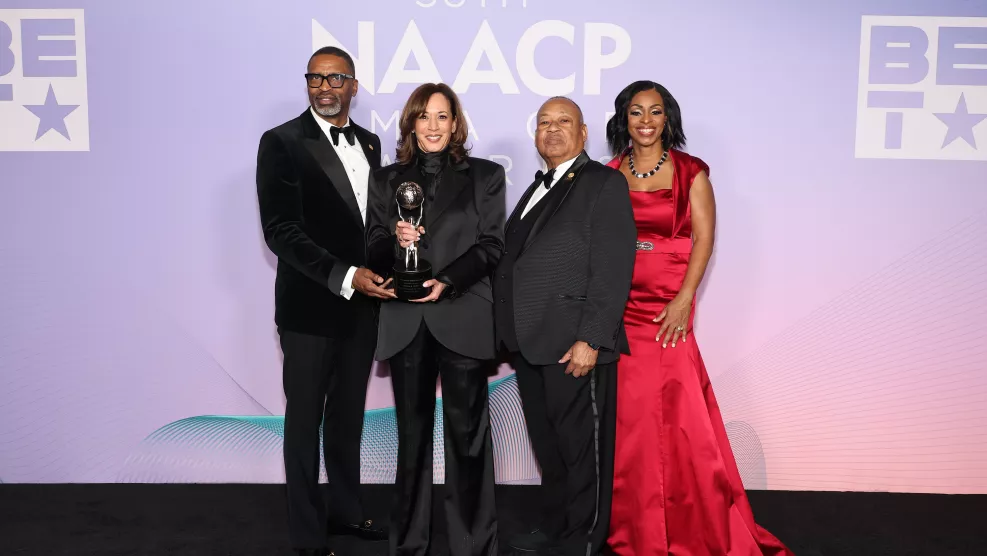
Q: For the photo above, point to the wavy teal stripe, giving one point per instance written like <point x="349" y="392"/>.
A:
<point x="184" y="428"/>
<point x="232" y="438"/>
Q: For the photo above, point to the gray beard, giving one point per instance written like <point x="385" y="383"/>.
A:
<point x="328" y="111"/>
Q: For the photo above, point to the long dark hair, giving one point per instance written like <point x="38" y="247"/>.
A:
<point x="672" y="137"/>
<point x="415" y="107"/>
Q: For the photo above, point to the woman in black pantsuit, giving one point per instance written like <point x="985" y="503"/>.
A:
<point x="449" y="333"/>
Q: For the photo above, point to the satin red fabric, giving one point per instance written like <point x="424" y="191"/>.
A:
<point x="676" y="486"/>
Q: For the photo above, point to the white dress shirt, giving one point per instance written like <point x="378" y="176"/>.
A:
<point x="358" y="171"/>
<point x="541" y="191"/>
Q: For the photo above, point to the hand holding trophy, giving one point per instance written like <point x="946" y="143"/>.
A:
<point x="410" y="272"/>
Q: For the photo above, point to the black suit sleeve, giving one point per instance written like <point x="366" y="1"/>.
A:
<point x="481" y="259"/>
<point x="382" y="244"/>
<point x="612" y="252"/>
<point x="280" y="198"/>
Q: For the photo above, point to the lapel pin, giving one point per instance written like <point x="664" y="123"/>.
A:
<point x="571" y="175"/>
<point x="371" y="147"/>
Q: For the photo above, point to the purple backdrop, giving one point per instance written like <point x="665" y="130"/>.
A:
<point x="841" y="319"/>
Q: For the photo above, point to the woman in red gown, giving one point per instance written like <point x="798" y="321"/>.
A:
<point x="676" y="486"/>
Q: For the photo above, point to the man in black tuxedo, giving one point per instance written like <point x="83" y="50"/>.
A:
<point x="313" y="174"/>
<point x="560" y="290"/>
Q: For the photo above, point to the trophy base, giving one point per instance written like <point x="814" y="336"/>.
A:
<point x="408" y="283"/>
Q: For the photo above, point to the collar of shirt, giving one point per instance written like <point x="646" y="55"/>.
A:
<point x="561" y="169"/>
<point x="326" y="126"/>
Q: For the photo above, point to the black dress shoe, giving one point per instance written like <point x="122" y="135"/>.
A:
<point x="365" y="531"/>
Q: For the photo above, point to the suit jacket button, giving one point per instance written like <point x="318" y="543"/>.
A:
<point x="502" y="300"/>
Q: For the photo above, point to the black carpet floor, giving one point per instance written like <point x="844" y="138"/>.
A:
<point x="248" y="520"/>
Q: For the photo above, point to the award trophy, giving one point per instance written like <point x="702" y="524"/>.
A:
<point x="410" y="272"/>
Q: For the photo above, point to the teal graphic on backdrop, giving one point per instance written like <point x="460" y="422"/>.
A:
<point x="212" y="447"/>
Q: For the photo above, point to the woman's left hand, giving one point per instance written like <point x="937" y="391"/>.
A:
<point x="674" y="321"/>
<point x="437" y="289"/>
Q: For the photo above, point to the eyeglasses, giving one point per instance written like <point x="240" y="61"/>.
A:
<point x="336" y="80"/>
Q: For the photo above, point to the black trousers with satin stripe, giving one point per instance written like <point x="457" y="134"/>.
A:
<point x="574" y="444"/>
<point x="468" y="502"/>
<point x="325" y="383"/>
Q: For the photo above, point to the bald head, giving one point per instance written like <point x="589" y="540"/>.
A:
<point x="561" y="133"/>
<point x="571" y="102"/>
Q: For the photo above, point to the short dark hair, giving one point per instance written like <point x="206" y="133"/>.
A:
<point x="672" y="137"/>
<point x="334" y="51"/>
<point x="415" y="107"/>
<point x="579" y="110"/>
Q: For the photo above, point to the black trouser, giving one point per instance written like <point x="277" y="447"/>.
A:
<point x="572" y="430"/>
<point x="325" y="376"/>
<point x="469" y="483"/>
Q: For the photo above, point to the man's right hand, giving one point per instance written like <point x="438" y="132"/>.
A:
<point x="371" y="285"/>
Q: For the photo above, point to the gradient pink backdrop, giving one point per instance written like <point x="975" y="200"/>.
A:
<point x="842" y="319"/>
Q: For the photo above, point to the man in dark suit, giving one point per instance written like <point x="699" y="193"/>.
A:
<point x="313" y="175"/>
<point x="559" y="292"/>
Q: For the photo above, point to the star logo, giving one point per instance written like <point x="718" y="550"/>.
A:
<point x="921" y="94"/>
<point x="51" y="115"/>
<point x="44" y="92"/>
<point x="960" y="123"/>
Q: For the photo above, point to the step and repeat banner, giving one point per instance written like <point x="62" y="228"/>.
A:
<point x="843" y="318"/>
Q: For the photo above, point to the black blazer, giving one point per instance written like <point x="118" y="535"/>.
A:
<point x="573" y="275"/>
<point x="312" y="222"/>
<point x="464" y="226"/>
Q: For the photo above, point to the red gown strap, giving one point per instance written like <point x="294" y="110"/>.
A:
<point x="687" y="167"/>
<point x="616" y="161"/>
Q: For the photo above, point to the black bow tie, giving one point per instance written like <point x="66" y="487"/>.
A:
<point x="349" y="132"/>
<point x="545" y="179"/>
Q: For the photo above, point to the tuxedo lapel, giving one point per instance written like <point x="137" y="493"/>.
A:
<point x="522" y="202"/>
<point x="566" y="183"/>
<point x="319" y="146"/>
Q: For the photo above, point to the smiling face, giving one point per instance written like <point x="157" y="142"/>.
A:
<point x="327" y="101"/>
<point x="435" y="126"/>
<point x="646" y="118"/>
<point x="561" y="133"/>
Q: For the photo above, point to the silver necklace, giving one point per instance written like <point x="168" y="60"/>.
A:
<point x="630" y="162"/>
